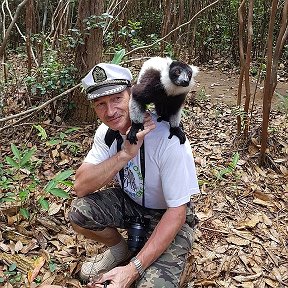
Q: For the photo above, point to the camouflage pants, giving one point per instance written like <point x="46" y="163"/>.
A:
<point x="109" y="207"/>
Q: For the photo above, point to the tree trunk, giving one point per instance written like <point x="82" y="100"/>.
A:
<point x="87" y="55"/>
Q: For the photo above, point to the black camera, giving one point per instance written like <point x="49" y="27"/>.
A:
<point x="137" y="231"/>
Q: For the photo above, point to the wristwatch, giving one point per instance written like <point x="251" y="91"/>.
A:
<point x="138" y="266"/>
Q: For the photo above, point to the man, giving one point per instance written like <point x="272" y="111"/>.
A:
<point x="158" y="188"/>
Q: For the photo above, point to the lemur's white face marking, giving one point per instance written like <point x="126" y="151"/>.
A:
<point x="182" y="78"/>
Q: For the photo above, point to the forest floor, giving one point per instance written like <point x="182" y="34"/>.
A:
<point x="242" y="237"/>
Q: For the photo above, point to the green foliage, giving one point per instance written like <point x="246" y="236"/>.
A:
<point x="52" y="266"/>
<point x="19" y="166"/>
<point x="20" y="159"/>
<point x="118" y="56"/>
<point x="12" y="276"/>
<point x="53" y="187"/>
<point x="52" y="76"/>
<point x="60" y="140"/>
<point x="230" y="168"/>
<point x="129" y="36"/>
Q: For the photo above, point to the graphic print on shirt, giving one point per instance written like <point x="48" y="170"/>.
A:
<point x="133" y="180"/>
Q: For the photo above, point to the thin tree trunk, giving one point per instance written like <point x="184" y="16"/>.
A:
<point x="242" y="60"/>
<point x="267" y="97"/>
<point x="247" y="68"/>
<point x="87" y="55"/>
<point x="7" y="33"/>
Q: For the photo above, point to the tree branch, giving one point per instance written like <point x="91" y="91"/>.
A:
<point x="39" y="108"/>
<point x="172" y="31"/>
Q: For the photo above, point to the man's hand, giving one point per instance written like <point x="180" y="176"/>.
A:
<point x="119" y="277"/>
<point x="131" y="150"/>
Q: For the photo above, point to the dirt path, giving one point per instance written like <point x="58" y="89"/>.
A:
<point x="223" y="86"/>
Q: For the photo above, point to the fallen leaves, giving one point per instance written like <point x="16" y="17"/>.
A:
<point x="241" y="240"/>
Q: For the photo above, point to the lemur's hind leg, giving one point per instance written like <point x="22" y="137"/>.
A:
<point x="137" y="113"/>
<point x="175" y="128"/>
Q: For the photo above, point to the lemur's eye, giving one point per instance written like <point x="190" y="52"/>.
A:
<point x="177" y="72"/>
<point x="189" y="74"/>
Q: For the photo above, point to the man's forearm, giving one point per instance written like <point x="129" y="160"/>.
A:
<point x="90" y="177"/>
<point x="162" y="236"/>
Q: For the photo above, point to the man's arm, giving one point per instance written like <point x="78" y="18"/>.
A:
<point x="90" y="177"/>
<point x="163" y="234"/>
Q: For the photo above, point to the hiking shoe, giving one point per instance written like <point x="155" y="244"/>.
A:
<point x="100" y="264"/>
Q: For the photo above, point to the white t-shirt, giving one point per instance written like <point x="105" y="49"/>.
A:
<point x="170" y="174"/>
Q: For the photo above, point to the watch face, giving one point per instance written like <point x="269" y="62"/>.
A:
<point x="99" y="74"/>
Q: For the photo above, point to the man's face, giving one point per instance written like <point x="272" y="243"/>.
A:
<point x="113" y="110"/>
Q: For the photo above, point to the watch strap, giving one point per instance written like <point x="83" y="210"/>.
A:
<point x="138" y="266"/>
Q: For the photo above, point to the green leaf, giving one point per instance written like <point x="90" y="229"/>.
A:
<point x="52" y="266"/>
<point x="42" y="132"/>
<point x="24" y="212"/>
<point x="2" y="279"/>
<point x="63" y="175"/>
<point x="51" y="184"/>
<point x="67" y="183"/>
<point x="27" y="157"/>
<point x="7" y="199"/>
<point x="15" y="151"/>
<point x="54" y="142"/>
<point x="118" y="56"/>
<point x="59" y="193"/>
<point x="12" y="267"/>
<point x="235" y="159"/>
<point x="70" y="130"/>
<point x="44" y="203"/>
<point x="12" y="162"/>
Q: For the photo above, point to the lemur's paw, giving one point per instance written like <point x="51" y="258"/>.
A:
<point x="177" y="131"/>
<point x="131" y="136"/>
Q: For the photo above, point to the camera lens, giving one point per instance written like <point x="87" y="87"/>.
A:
<point x="137" y="231"/>
<point x="136" y="237"/>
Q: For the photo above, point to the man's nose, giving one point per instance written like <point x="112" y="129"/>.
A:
<point x="110" y="109"/>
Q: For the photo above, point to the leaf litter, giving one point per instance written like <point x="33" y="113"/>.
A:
<point x="240" y="241"/>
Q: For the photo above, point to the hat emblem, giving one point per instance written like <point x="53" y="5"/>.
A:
<point x="99" y="74"/>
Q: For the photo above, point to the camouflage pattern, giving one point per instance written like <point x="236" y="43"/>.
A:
<point x="108" y="208"/>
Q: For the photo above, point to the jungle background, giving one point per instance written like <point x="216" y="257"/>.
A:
<point x="235" y="119"/>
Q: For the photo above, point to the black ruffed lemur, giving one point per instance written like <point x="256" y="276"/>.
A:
<point x="164" y="82"/>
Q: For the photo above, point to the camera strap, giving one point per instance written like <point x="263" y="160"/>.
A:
<point x="110" y="136"/>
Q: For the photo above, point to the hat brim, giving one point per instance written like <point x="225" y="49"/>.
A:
<point x="105" y="91"/>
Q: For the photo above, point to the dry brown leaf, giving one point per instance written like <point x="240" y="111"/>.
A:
<point x="284" y="170"/>
<point x="242" y="278"/>
<point x="205" y="282"/>
<point x="55" y="153"/>
<point x="54" y="208"/>
<point x="271" y="283"/>
<point x="66" y="239"/>
<point x="263" y="203"/>
<point x="262" y="196"/>
<point x="18" y="246"/>
<point x="249" y="223"/>
<point x="266" y="220"/>
<point x="237" y="240"/>
<point x="32" y="274"/>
